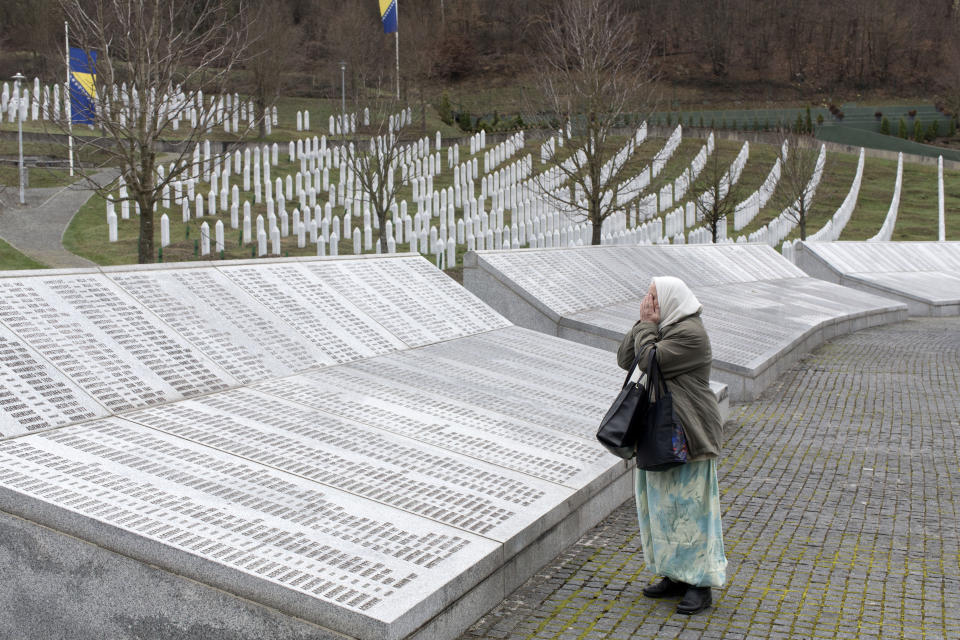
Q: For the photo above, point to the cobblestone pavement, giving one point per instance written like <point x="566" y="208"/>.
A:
<point x="841" y="495"/>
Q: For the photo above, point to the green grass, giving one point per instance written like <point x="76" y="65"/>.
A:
<point x="38" y="177"/>
<point x="873" y="201"/>
<point x="838" y="173"/>
<point x="917" y="214"/>
<point x="11" y="259"/>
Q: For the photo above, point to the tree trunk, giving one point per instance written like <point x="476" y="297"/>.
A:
<point x="803" y="223"/>
<point x="597" y="232"/>
<point x="595" y="215"/>
<point x="145" y="243"/>
<point x="382" y="217"/>
<point x="262" y="108"/>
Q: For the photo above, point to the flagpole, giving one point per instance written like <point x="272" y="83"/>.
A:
<point x="67" y="102"/>
<point x="397" y="40"/>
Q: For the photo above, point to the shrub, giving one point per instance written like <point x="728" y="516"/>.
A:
<point x="712" y="126"/>
<point x="819" y="118"/>
<point x="807" y="122"/>
<point x="465" y="121"/>
<point x="444" y="110"/>
<point x="701" y="121"/>
<point x="885" y="126"/>
<point x="918" y="130"/>
<point x="933" y="131"/>
<point x="756" y="125"/>
<point x="798" y="125"/>
<point x="902" y="129"/>
<point x="690" y="122"/>
<point x="953" y="127"/>
<point x="723" y="123"/>
<point x="669" y="116"/>
<point x="766" y="125"/>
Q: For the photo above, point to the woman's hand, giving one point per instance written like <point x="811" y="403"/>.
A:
<point x="649" y="310"/>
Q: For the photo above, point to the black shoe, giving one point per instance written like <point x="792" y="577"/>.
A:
<point x="696" y="599"/>
<point x="666" y="588"/>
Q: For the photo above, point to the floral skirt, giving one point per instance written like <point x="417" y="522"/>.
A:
<point x="680" y="530"/>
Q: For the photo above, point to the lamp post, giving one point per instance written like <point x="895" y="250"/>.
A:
<point x="16" y="90"/>
<point x="343" y="95"/>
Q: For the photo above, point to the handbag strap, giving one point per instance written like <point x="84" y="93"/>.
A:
<point x="654" y="375"/>
<point x="626" y="380"/>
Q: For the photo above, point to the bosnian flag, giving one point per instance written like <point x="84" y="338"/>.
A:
<point x="83" y="89"/>
<point x="388" y="15"/>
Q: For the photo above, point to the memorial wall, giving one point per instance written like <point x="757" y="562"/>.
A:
<point x="310" y="447"/>
<point x="761" y="312"/>
<point x="923" y="275"/>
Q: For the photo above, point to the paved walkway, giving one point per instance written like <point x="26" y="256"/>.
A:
<point x="36" y="229"/>
<point x="841" y="497"/>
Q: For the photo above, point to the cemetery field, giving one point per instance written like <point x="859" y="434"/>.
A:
<point x="917" y="220"/>
<point x="286" y="128"/>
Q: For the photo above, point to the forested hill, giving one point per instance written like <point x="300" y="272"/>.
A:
<point x="820" y="45"/>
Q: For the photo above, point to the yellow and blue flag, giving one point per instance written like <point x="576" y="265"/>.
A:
<point x="83" y="88"/>
<point x="388" y="15"/>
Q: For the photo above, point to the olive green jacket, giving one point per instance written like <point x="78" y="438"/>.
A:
<point x="684" y="354"/>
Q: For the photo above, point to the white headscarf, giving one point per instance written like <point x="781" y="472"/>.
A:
<point x="676" y="300"/>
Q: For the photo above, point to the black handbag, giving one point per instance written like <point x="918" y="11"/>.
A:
<point x="619" y="427"/>
<point x="661" y="442"/>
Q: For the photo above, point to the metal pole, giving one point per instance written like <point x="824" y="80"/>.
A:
<point x="16" y="90"/>
<point x="343" y="89"/>
<point x="397" y="40"/>
<point x="69" y="105"/>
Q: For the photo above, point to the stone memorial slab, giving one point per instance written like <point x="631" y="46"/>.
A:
<point x="410" y="298"/>
<point x="331" y="557"/>
<point x="351" y="447"/>
<point x="104" y="342"/>
<point x="317" y="311"/>
<point x="495" y="422"/>
<point x="33" y="394"/>
<point x="364" y="460"/>
<point x="214" y="314"/>
<point x="760" y="311"/>
<point x="923" y="275"/>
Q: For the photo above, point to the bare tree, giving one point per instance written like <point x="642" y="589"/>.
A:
<point x="717" y="27"/>
<point x="162" y="73"/>
<point x="593" y="74"/>
<point x="272" y="41"/>
<point x="798" y="183"/>
<point x="373" y="163"/>
<point x="715" y="195"/>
